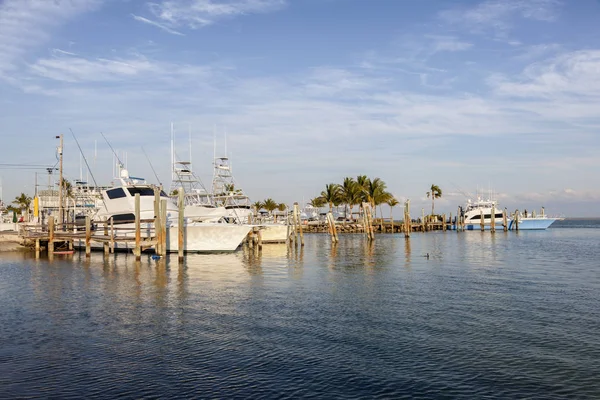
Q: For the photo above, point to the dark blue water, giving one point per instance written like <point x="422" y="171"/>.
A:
<point x="505" y="315"/>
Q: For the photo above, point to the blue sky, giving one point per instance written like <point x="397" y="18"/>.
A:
<point x="463" y="94"/>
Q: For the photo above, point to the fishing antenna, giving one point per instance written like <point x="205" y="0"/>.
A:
<point x="86" y="163"/>
<point x="150" y="162"/>
<point x="113" y="150"/>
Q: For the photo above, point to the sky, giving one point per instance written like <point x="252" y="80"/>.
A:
<point x="497" y="95"/>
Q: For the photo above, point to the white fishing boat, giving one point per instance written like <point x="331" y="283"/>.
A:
<point x="119" y="205"/>
<point x="227" y="194"/>
<point x="199" y="204"/>
<point x="474" y="211"/>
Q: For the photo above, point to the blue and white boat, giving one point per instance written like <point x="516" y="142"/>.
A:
<point x="475" y="211"/>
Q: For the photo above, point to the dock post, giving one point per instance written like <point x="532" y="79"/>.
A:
<point x="458" y="219"/>
<point x="112" y="236"/>
<point x="180" y="226"/>
<point x="449" y="222"/>
<point x="481" y="220"/>
<point x="104" y="242"/>
<point x="493" y="225"/>
<point x="51" y="235"/>
<point x="444" y="222"/>
<point x="259" y="241"/>
<point x="157" y="224"/>
<point x="407" y="221"/>
<point x="504" y="220"/>
<point x="517" y="220"/>
<point x="88" y="236"/>
<point x="37" y="248"/>
<point x="163" y="221"/>
<point x="297" y="212"/>
<point x="138" y="238"/>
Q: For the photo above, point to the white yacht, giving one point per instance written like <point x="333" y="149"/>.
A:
<point x="473" y="212"/>
<point x="119" y="204"/>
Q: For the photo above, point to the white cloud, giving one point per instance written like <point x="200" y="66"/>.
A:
<point x="195" y="14"/>
<point x="575" y="74"/>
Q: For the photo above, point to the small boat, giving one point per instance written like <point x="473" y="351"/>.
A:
<point x="63" y="252"/>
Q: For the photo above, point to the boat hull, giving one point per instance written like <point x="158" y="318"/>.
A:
<point x="275" y="233"/>
<point x="208" y="237"/>
<point x="525" y="224"/>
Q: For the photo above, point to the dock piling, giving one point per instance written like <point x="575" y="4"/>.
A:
<point x="138" y="249"/>
<point x="180" y="226"/>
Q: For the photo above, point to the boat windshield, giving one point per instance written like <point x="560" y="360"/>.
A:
<point x="144" y="191"/>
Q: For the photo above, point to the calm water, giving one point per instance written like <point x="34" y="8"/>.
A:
<point x="485" y="316"/>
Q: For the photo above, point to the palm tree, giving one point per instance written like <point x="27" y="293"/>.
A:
<point x="331" y="195"/>
<point x="257" y="206"/>
<point x="270" y="205"/>
<point x="350" y="193"/>
<point x="22" y="202"/>
<point x="363" y="183"/>
<point x="317" y="202"/>
<point x="281" y="207"/>
<point x="435" y="193"/>
<point x="392" y="202"/>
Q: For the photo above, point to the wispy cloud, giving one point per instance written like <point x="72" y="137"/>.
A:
<point x="195" y="14"/>
<point x="448" y="43"/>
<point x="25" y="24"/>
<point x="499" y="15"/>
<point x="156" y="24"/>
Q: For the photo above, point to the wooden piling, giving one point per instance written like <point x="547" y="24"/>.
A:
<point x="180" y="227"/>
<point x="493" y="219"/>
<point x="157" y="223"/>
<point x="88" y="236"/>
<point x="481" y="220"/>
<point x="105" y="243"/>
<point x="138" y="238"/>
<point x="112" y="236"/>
<point x="422" y="220"/>
<point x="444" y="222"/>
<point x="299" y="225"/>
<point x="50" y="235"/>
<point x="517" y="220"/>
<point x="37" y="248"/>
<point x="163" y="221"/>
<point x="407" y="221"/>
<point x="259" y="240"/>
<point x="504" y="220"/>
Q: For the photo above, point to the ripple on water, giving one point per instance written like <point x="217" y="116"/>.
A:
<point x="508" y="316"/>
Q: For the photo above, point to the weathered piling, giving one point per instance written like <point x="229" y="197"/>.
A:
<point x="105" y="244"/>
<point x="481" y="221"/>
<point x="504" y="220"/>
<point x="138" y="238"/>
<point x="407" y="221"/>
<point x="112" y="236"/>
<point x="517" y="220"/>
<point x="180" y="227"/>
<point x="493" y="219"/>
<point x="88" y="236"/>
<point x="157" y="223"/>
<point x="163" y="221"/>
<point x="332" y="227"/>
<point x="50" y="235"/>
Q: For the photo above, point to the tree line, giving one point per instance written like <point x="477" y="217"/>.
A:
<point x="354" y="192"/>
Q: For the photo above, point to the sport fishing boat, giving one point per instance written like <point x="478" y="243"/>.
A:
<point x="119" y="205"/>
<point x="484" y="208"/>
